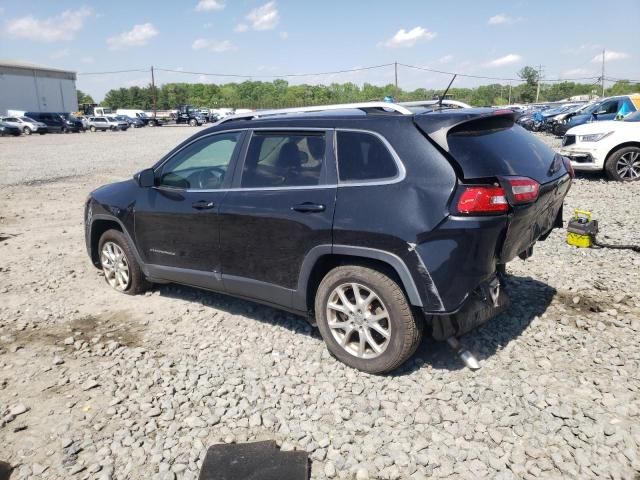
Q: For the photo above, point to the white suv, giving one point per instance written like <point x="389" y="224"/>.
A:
<point x="26" y="124"/>
<point x="612" y="146"/>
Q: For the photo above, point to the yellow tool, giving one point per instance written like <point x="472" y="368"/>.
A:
<point x="582" y="230"/>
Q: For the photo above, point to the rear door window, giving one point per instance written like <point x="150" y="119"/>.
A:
<point x="363" y="156"/>
<point x="295" y="159"/>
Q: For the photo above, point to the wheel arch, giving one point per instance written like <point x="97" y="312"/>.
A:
<point x="321" y="259"/>
<point x="98" y="227"/>
<point x="621" y="146"/>
<point x="100" y="223"/>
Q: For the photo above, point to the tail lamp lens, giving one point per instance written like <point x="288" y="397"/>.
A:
<point x="523" y="189"/>
<point x="487" y="199"/>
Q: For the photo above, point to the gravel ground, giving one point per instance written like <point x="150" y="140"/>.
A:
<point x="99" y="385"/>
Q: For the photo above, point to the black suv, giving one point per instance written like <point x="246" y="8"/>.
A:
<point x="53" y="121"/>
<point x="373" y="220"/>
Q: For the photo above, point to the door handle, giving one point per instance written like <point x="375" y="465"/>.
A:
<point x="203" y="205"/>
<point x="308" y="207"/>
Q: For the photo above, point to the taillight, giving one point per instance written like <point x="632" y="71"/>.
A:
<point x="569" y="167"/>
<point x="480" y="199"/>
<point x="523" y="189"/>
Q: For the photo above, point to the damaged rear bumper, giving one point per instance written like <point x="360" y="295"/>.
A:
<point x="484" y="303"/>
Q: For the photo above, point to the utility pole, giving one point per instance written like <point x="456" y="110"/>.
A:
<point x="539" y="78"/>
<point x="153" y="88"/>
<point x="602" y="77"/>
<point x="395" y="66"/>
<point x="509" y="93"/>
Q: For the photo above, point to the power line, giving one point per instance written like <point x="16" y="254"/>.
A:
<point x="217" y="74"/>
<point x="613" y="79"/>
<point x="350" y="70"/>
<point x="493" y="78"/>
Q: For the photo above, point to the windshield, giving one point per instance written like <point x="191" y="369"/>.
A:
<point x="27" y="119"/>
<point x="633" y="117"/>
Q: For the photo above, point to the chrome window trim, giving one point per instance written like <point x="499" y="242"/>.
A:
<point x="258" y="189"/>
<point x="402" y="172"/>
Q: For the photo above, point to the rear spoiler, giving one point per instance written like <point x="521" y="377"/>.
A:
<point x="439" y="125"/>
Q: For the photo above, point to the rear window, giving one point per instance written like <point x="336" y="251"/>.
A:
<point x="490" y="146"/>
<point x="364" y="157"/>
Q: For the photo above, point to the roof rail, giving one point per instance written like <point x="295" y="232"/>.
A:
<point x="321" y="108"/>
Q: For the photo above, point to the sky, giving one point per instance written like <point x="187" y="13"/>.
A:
<point x="263" y="39"/>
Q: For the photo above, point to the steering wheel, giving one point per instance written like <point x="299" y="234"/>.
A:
<point x="210" y="177"/>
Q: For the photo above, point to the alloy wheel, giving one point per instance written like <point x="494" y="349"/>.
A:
<point x="628" y="165"/>
<point x="359" y="321"/>
<point x="115" y="266"/>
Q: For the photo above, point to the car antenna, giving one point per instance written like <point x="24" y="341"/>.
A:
<point x="445" y="91"/>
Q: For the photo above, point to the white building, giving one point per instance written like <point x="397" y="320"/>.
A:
<point x="33" y="88"/>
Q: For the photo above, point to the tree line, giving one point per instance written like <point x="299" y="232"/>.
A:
<point x="279" y="94"/>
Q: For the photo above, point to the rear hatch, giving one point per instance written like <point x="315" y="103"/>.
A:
<point x="486" y="147"/>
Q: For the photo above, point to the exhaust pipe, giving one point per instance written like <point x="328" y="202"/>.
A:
<point x="465" y="355"/>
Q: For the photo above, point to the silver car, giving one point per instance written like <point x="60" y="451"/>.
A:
<point x="106" y="123"/>
<point x="26" y="125"/>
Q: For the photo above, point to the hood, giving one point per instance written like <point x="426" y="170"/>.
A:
<point x="594" y="127"/>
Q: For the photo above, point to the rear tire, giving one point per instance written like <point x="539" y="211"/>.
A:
<point x="92" y="128"/>
<point x="193" y="122"/>
<point x="624" y="165"/>
<point x="381" y="316"/>
<point x="119" y="265"/>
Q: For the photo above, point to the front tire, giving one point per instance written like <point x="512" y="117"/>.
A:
<point x="92" y="128"/>
<point x="26" y="131"/>
<point x="193" y="122"/>
<point x="365" y="319"/>
<point x="624" y="165"/>
<point x="120" y="267"/>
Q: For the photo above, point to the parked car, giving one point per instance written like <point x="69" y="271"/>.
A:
<point x="373" y="220"/>
<point x="85" y="121"/>
<point x="72" y="123"/>
<point x="558" y="122"/>
<point x="148" y="120"/>
<point x="106" y="123"/>
<point x="26" y="125"/>
<point x="605" y="109"/>
<point x="53" y="121"/>
<point x="133" y="122"/>
<point x="612" y="146"/>
<point x="188" y="114"/>
<point x="9" y="130"/>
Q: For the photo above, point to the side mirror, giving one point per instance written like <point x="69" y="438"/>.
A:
<point x="146" y="178"/>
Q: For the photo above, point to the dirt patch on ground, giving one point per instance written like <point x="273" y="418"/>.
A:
<point x="118" y="326"/>
<point x="582" y="303"/>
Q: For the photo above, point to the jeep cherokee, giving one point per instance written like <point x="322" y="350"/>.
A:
<point x="374" y="220"/>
